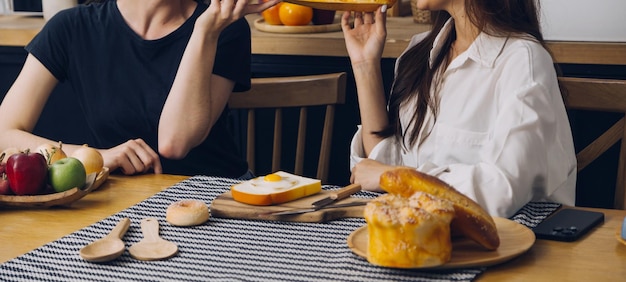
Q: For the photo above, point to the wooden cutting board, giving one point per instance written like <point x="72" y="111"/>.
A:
<point x="225" y="206"/>
<point x="261" y="25"/>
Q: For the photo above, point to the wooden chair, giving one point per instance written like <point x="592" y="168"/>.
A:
<point x="602" y="95"/>
<point x="303" y="92"/>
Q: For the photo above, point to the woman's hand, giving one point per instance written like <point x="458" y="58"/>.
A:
<point x="132" y="157"/>
<point x="258" y="8"/>
<point x="222" y="13"/>
<point x="367" y="173"/>
<point x="365" y="41"/>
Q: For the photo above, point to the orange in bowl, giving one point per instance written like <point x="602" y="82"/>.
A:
<point x="295" y="15"/>
<point x="91" y="159"/>
<point x="270" y="15"/>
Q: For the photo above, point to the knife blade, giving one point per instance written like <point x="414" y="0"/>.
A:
<point x="306" y="210"/>
<point x="338" y="195"/>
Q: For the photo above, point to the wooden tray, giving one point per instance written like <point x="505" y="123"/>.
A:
<point x="345" y="5"/>
<point x="226" y="207"/>
<point x="56" y="199"/>
<point x="515" y="239"/>
<point x="261" y="25"/>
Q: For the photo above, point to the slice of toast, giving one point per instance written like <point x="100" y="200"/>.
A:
<point x="275" y="188"/>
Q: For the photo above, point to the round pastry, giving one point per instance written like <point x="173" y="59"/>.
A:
<point x="471" y="219"/>
<point x="408" y="232"/>
<point x="187" y="213"/>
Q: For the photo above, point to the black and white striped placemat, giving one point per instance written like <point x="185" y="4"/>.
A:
<point x="228" y="249"/>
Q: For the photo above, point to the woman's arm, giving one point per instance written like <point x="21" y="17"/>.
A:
<point x="365" y="43"/>
<point x="23" y="105"/>
<point x="198" y="96"/>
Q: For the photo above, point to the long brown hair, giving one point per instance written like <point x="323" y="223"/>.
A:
<point x="415" y="76"/>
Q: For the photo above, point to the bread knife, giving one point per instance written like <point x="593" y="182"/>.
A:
<point x="338" y="195"/>
<point x="325" y="202"/>
<point x="306" y="210"/>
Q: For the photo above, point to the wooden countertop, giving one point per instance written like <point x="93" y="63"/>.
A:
<point x="19" y="30"/>
<point x="597" y="256"/>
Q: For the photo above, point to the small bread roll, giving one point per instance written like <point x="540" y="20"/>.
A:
<point x="187" y="213"/>
<point x="471" y="219"/>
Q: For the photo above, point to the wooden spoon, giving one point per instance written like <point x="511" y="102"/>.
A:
<point x="109" y="247"/>
<point x="152" y="247"/>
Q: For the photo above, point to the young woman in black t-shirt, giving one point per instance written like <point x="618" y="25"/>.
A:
<point x="152" y="79"/>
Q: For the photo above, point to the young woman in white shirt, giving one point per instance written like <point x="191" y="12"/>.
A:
<point x="474" y="102"/>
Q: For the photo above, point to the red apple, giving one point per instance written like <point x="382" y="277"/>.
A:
<point x="66" y="174"/>
<point x="4" y="182"/>
<point x="4" y="185"/>
<point x="27" y="173"/>
<point x="3" y="164"/>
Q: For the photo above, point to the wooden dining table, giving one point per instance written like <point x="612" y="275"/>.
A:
<point x="598" y="256"/>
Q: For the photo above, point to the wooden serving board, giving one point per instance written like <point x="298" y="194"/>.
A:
<point x="226" y="207"/>
<point x="261" y="25"/>
<point x="515" y="239"/>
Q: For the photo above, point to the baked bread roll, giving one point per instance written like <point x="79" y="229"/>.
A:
<point x="471" y="219"/>
<point x="408" y="232"/>
<point x="187" y="213"/>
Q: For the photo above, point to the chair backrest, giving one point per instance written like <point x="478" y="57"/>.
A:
<point x="303" y="92"/>
<point x="604" y="95"/>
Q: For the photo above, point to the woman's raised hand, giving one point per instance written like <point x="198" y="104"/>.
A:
<point x="258" y="8"/>
<point x="365" y="38"/>
<point x="222" y="13"/>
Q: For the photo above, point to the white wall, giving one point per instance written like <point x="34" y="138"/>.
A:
<point x="584" y="20"/>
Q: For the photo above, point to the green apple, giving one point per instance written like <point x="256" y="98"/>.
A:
<point x="66" y="174"/>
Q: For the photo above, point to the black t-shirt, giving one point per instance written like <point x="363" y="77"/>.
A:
<point x="121" y="81"/>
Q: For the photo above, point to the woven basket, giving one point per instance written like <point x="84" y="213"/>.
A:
<point x="419" y="16"/>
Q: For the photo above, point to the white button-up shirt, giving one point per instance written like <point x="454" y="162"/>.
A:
<point x="502" y="136"/>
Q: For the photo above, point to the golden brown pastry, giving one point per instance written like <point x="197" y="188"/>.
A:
<point x="471" y="219"/>
<point x="408" y="232"/>
<point x="187" y="213"/>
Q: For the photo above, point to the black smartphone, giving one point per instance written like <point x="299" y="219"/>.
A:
<point x="568" y="224"/>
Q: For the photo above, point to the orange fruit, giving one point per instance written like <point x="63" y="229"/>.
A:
<point x="293" y="14"/>
<point x="270" y="15"/>
<point x="90" y="157"/>
<point x="51" y="152"/>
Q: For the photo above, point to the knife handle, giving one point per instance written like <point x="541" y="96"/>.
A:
<point x="345" y="192"/>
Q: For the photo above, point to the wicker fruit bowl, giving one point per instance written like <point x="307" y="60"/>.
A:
<point x="56" y="199"/>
